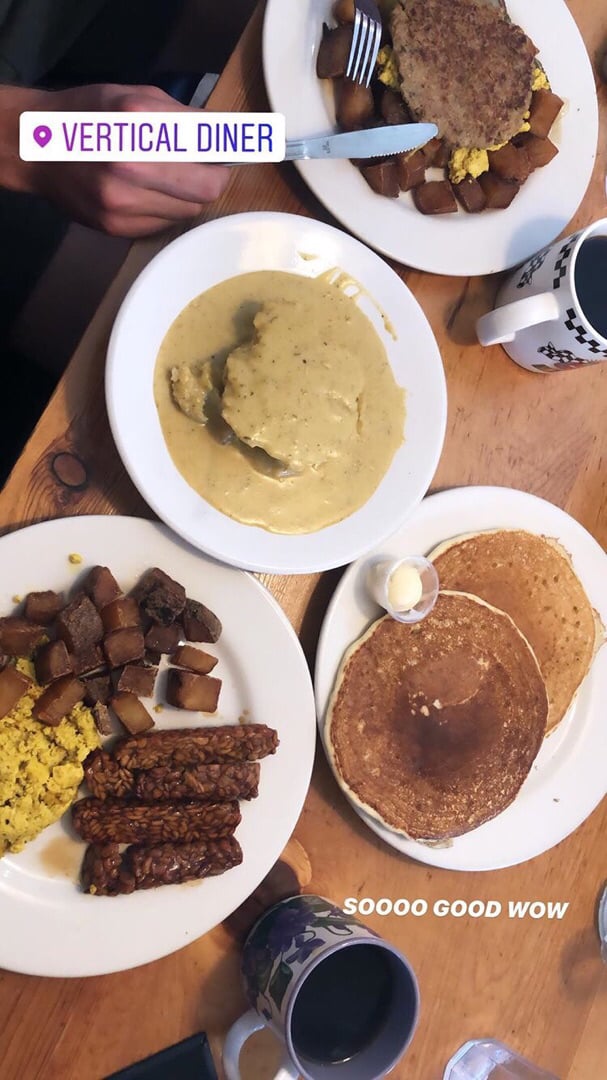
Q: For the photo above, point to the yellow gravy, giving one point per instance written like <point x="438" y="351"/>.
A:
<point x="303" y="377"/>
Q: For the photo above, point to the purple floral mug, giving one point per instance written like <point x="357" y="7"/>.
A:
<point x="343" y="1001"/>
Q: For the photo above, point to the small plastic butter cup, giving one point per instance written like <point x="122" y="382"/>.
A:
<point x="381" y="573"/>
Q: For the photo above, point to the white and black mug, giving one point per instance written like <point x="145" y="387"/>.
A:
<point x="551" y="313"/>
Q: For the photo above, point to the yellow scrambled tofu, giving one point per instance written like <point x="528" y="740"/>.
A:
<point x="40" y="767"/>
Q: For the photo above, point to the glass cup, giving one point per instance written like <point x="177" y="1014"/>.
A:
<point x="487" y="1059"/>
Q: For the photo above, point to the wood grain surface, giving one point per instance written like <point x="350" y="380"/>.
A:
<point x="539" y="986"/>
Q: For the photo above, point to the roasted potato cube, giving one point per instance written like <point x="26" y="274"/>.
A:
<point x="343" y="11"/>
<point x="200" y="623"/>
<point x="354" y="105"/>
<point x="333" y="52"/>
<point x="470" y="194"/>
<point x="435" y="197"/>
<point x="101" y="586"/>
<point x="88" y="660"/>
<point x="539" y="151"/>
<point x="435" y="153"/>
<point x="131" y="712"/>
<point x="120" y="613"/>
<point x="13" y="685"/>
<point x="545" y="107"/>
<point x="393" y="108"/>
<point x="98" y="688"/>
<point x="137" y="679"/>
<point x="18" y="637"/>
<point x="164" y="639"/>
<point x="194" y="659"/>
<point x="159" y="597"/>
<point x="52" y="662"/>
<point x="410" y="169"/>
<point x="199" y="693"/>
<point x="58" y="700"/>
<point x="510" y="162"/>
<point x="382" y="177"/>
<point x="102" y="717"/>
<point x="498" y="193"/>
<point x="79" y="624"/>
<point x="124" y="646"/>
<point x="42" y="607"/>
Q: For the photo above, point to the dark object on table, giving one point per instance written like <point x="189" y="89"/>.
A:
<point x="187" y="1060"/>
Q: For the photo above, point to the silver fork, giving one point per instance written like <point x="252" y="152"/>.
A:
<point x="365" y="42"/>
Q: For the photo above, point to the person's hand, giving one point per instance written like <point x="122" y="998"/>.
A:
<point x="123" y="198"/>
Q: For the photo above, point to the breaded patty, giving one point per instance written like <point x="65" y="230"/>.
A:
<point x="464" y="67"/>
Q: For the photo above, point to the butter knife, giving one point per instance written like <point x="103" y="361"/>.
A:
<point x="372" y="142"/>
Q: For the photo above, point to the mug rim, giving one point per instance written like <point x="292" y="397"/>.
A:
<point x="585" y="234"/>
<point x="329" y="950"/>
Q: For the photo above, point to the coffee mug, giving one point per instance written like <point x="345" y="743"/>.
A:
<point x="551" y="313"/>
<point x="342" y="1000"/>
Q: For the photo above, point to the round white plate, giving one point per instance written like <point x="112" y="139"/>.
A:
<point x="237" y="245"/>
<point x="452" y="243"/>
<point x="568" y="778"/>
<point x="55" y="929"/>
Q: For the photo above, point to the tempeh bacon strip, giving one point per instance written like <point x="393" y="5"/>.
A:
<point x="105" y="872"/>
<point x="234" y="780"/>
<point x="197" y="746"/>
<point x="110" y="821"/>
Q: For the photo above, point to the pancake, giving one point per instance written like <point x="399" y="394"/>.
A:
<point x="532" y="579"/>
<point x="433" y="727"/>
<point x="465" y="67"/>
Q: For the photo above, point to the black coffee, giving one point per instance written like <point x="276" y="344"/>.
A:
<point x="591" y="282"/>
<point x="343" y="1004"/>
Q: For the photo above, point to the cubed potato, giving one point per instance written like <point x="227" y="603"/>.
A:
<point x="120" y="613"/>
<point x="58" y="700"/>
<point x="101" y="586"/>
<point x="199" y="693"/>
<point x="411" y="169"/>
<point x="343" y="11"/>
<point x="435" y="153"/>
<point x="124" y="646"/>
<point x="392" y="108"/>
<point x="200" y="623"/>
<point x="382" y="177"/>
<point x="545" y="107"/>
<point x="131" y="712"/>
<point x="13" y="685"/>
<point x="43" y="607"/>
<point x="498" y="193"/>
<point x="354" y="105"/>
<point x="18" y="637"/>
<point x="435" y="197"/>
<point x="103" y="721"/>
<point x="510" y="162"/>
<point x="52" y="662"/>
<point x="163" y="639"/>
<point x="138" y="679"/>
<point x="539" y="151"/>
<point x="333" y="51"/>
<point x="79" y="624"/>
<point x="88" y="660"/>
<point x="194" y="659"/>
<point x="160" y="598"/>
<point x="98" y="688"/>
<point x="470" y="194"/>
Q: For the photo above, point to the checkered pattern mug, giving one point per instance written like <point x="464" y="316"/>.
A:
<point x="538" y="317"/>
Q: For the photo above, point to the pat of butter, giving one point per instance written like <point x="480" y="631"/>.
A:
<point x="405" y="588"/>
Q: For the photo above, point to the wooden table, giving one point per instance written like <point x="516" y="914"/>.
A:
<point x="539" y="986"/>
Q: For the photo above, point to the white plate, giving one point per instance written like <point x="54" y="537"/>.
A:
<point x="568" y="778"/>
<point x="453" y="243"/>
<point x="54" y="928"/>
<point x="267" y="241"/>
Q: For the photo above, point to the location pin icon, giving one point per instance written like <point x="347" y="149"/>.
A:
<point x="42" y="135"/>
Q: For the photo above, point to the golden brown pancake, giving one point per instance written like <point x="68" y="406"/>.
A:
<point x="532" y="579"/>
<point x="465" y="67"/>
<point x="433" y="727"/>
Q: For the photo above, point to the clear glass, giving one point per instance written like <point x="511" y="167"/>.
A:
<point x="378" y="580"/>
<point x="486" y="1059"/>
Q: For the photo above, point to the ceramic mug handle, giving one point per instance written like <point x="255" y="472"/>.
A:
<point x="247" y="1025"/>
<point x="501" y="324"/>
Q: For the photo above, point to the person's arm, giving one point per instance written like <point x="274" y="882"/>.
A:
<point x="122" y="198"/>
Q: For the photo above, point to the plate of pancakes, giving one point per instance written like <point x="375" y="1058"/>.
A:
<point x="449" y="243"/>
<point x="474" y="739"/>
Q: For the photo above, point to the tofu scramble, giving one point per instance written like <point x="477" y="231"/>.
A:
<point x="40" y="766"/>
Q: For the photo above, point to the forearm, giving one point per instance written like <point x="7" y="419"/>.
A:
<point x="15" y="174"/>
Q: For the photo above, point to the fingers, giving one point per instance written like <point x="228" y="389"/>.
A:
<point x="191" y="182"/>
